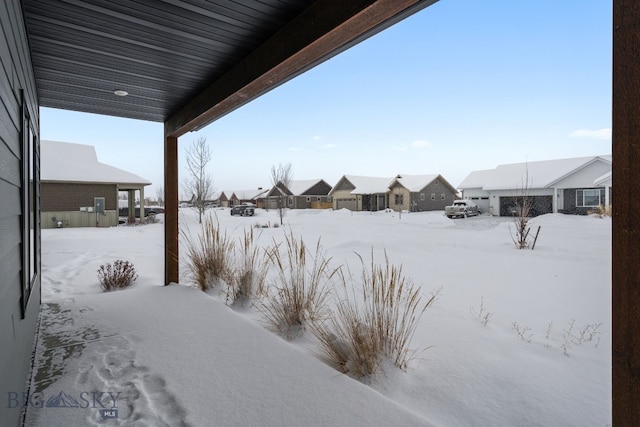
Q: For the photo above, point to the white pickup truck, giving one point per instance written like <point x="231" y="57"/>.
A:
<point x="463" y="208"/>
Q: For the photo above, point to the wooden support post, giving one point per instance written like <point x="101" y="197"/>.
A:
<point x="626" y="223"/>
<point x="171" y="210"/>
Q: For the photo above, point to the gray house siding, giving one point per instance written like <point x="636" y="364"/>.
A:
<point x="433" y="197"/>
<point x="570" y="196"/>
<point x="19" y="254"/>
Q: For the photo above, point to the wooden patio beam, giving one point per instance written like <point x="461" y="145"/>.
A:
<point x="171" y="259"/>
<point x="325" y="29"/>
<point x="626" y="223"/>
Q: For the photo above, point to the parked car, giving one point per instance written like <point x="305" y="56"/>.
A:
<point x="245" y="209"/>
<point x="461" y="208"/>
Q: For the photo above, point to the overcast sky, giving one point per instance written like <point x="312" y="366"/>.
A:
<point x="460" y="86"/>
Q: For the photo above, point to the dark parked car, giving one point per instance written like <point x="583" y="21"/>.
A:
<point x="245" y="209"/>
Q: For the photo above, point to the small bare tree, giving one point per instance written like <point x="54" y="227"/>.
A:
<point x="199" y="183"/>
<point x="281" y="178"/>
<point x="523" y="209"/>
<point x="160" y="196"/>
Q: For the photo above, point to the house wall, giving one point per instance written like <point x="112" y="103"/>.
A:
<point x="79" y="219"/>
<point x="71" y="197"/>
<point x="421" y="200"/>
<point x="62" y="202"/>
<point x="344" y="199"/>
<point x="17" y="326"/>
<point x="399" y="192"/>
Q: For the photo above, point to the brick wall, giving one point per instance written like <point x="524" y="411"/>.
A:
<point x="71" y="197"/>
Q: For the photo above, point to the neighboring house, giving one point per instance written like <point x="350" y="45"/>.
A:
<point x="77" y="190"/>
<point x="417" y="193"/>
<point x="401" y="193"/>
<point x="574" y="185"/>
<point x="300" y="194"/>
<point x="238" y="197"/>
<point x="361" y="193"/>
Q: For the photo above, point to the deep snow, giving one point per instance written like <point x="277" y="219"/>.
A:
<point x="181" y="357"/>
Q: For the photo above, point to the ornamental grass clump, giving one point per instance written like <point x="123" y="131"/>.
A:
<point x="246" y="278"/>
<point x="373" y="324"/>
<point x="117" y="275"/>
<point x="298" y="294"/>
<point x="209" y="256"/>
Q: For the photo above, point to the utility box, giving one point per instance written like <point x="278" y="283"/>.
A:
<point x="99" y="202"/>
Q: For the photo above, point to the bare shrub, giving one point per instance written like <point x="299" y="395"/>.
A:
<point x="523" y="209"/>
<point x="588" y="333"/>
<point x="602" y="211"/>
<point x="481" y="314"/>
<point x="524" y="332"/>
<point x="246" y="278"/>
<point x="298" y="294"/>
<point x="118" y="275"/>
<point x="373" y="324"/>
<point x="209" y="255"/>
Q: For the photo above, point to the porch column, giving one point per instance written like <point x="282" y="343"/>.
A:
<point x="554" y="208"/>
<point x="626" y="228"/>
<point x="131" y="204"/>
<point x="170" y="210"/>
<point x="142" y="216"/>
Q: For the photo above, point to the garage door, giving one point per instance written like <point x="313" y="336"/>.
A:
<point x="351" y="204"/>
<point x="540" y="205"/>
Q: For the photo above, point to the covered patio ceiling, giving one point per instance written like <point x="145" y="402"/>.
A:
<point x="187" y="63"/>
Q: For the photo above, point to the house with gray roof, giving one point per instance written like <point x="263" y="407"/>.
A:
<point x="299" y="194"/>
<point x="574" y="185"/>
<point x="77" y="190"/>
<point x="400" y="193"/>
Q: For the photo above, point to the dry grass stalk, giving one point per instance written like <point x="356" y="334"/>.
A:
<point x="209" y="255"/>
<point x="246" y="278"/>
<point x="374" y="325"/>
<point x="299" y="291"/>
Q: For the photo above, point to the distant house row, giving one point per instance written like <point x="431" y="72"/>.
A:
<point x="575" y="185"/>
<point x="78" y="190"/>
<point x="357" y="193"/>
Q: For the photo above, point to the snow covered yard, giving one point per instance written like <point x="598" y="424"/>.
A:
<point x="179" y="356"/>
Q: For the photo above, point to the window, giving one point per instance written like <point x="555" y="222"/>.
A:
<point x="589" y="197"/>
<point x="290" y="200"/>
<point x="442" y="196"/>
<point x="422" y="197"/>
<point x="30" y="181"/>
<point x="308" y="199"/>
<point x="433" y="196"/>
<point x="398" y="199"/>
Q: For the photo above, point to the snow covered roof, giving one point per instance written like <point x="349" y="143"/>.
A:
<point x="415" y="183"/>
<point x="299" y="186"/>
<point x="67" y="162"/>
<point x="367" y="184"/>
<point x="247" y="194"/>
<point x="603" y="180"/>
<point x="541" y="174"/>
<point x="476" y="179"/>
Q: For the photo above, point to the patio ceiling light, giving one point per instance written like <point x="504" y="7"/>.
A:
<point x="121" y="92"/>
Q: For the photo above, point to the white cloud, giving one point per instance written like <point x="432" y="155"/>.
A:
<point x="294" y="149"/>
<point x="410" y="146"/>
<point x="328" y="146"/>
<point x="317" y="138"/>
<point x="603" y="134"/>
